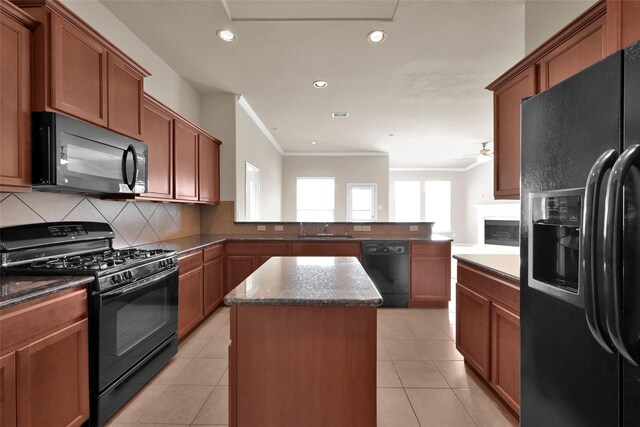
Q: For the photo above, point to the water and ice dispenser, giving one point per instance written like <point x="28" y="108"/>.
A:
<point x="554" y="238"/>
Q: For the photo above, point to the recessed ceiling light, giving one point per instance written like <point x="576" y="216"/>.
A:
<point x="320" y="84"/>
<point x="376" y="36"/>
<point x="226" y="35"/>
<point x="338" y="115"/>
<point x="313" y="142"/>
<point x="392" y="135"/>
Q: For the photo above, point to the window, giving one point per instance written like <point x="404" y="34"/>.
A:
<point x="252" y="193"/>
<point x="437" y="208"/>
<point x="361" y="202"/>
<point x="407" y="201"/>
<point x="315" y="199"/>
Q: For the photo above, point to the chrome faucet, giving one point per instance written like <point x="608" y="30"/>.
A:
<point x="302" y="231"/>
<point x="326" y="228"/>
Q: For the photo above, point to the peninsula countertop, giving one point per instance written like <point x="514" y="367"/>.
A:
<point x="200" y="241"/>
<point x="307" y="281"/>
<point x="506" y="265"/>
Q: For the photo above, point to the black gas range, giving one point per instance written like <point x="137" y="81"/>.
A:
<point x="133" y="301"/>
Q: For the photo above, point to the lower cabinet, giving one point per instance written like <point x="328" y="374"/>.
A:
<point x="488" y="329"/>
<point x="245" y="257"/>
<point x="239" y="267"/>
<point x="430" y="274"/>
<point x="327" y="249"/>
<point x="200" y="286"/>
<point x="44" y="367"/>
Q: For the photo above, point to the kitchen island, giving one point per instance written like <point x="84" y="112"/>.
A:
<point x="303" y="344"/>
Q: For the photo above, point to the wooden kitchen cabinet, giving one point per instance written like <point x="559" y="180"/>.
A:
<point x="505" y="355"/>
<point x="239" y="267"/>
<point x="186" y="161"/>
<point x="580" y="44"/>
<point x="8" y="390"/>
<point x="44" y="361"/>
<point x="55" y="366"/>
<point x="78" y="72"/>
<point x="209" y="169"/>
<point x="15" y="105"/>
<point x="125" y="95"/>
<point x="157" y="133"/>
<point x="488" y="329"/>
<point x="430" y="274"/>
<point x="326" y="249"/>
<point x="245" y="257"/>
<point x="190" y="293"/>
<point x="213" y="291"/>
<point x="473" y="329"/>
<point x="622" y="26"/>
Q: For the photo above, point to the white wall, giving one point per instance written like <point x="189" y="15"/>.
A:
<point x="544" y="18"/>
<point x="346" y="170"/>
<point x="164" y="83"/>
<point x="253" y="147"/>
<point x="218" y="117"/>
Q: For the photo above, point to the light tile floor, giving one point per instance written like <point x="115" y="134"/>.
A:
<point x="422" y="380"/>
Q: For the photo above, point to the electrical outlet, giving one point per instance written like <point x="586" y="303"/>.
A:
<point x="366" y="228"/>
<point x="278" y="228"/>
<point x="413" y="228"/>
<point x="262" y="228"/>
<point x="357" y="228"/>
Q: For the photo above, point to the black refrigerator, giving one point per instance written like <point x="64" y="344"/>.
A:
<point x="580" y="249"/>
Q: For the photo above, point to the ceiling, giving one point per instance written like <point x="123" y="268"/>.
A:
<point x="424" y="84"/>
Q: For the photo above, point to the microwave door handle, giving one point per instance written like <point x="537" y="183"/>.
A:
<point x="131" y="184"/>
<point x="588" y="249"/>
<point x="614" y="210"/>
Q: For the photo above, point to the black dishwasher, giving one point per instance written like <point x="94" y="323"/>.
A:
<point x="387" y="264"/>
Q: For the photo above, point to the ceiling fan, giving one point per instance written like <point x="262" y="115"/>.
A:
<point x="484" y="155"/>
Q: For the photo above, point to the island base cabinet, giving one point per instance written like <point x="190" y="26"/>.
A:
<point x="505" y="364"/>
<point x="302" y="366"/>
<point x="52" y="379"/>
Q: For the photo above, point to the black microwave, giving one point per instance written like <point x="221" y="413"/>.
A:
<point x="70" y="155"/>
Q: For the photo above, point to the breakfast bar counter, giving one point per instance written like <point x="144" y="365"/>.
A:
<point x="303" y="344"/>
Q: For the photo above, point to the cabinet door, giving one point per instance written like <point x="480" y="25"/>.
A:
<point x="506" y="121"/>
<point x="213" y="284"/>
<point x="190" y="307"/>
<point x="8" y="390"/>
<point x="79" y="72"/>
<point x="125" y="89"/>
<point x="239" y="267"/>
<point x="574" y="55"/>
<point x="157" y="133"/>
<point x="430" y="280"/>
<point x="505" y="355"/>
<point x="622" y="24"/>
<point x="15" y="108"/>
<point x="52" y="379"/>
<point x="208" y="169"/>
<point x="473" y="331"/>
<point x="326" y="249"/>
<point x="186" y="161"/>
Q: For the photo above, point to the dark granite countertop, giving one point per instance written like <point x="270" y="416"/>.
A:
<point x="199" y="241"/>
<point x="506" y="265"/>
<point x="18" y="289"/>
<point x="307" y="281"/>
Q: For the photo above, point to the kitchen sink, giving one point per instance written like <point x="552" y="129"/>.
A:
<point x="325" y="236"/>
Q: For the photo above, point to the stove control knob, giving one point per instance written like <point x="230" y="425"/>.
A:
<point x="116" y="278"/>
<point x="128" y="275"/>
<point x="162" y="263"/>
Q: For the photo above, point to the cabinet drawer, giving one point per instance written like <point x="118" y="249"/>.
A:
<point x="26" y="324"/>
<point x="190" y="261"/>
<point x="257" y="248"/>
<point x="502" y="290"/>
<point x="213" y="252"/>
<point x="431" y="249"/>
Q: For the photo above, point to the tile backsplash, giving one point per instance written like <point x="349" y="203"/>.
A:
<point x="135" y="223"/>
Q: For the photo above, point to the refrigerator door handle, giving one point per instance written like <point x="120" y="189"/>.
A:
<point x="614" y="209"/>
<point x="588" y="249"/>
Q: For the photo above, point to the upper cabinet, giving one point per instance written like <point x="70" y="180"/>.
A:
<point x="78" y="72"/>
<point x="15" y="108"/>
<point x="208" y="169"/>
<point x="186" y="161"/>
<point x="157" y="133"/>
<point x="622" y="27"/>
<point x="580" y="44"/>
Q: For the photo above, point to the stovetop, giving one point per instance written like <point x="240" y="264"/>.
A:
<point x="98" y="261"/>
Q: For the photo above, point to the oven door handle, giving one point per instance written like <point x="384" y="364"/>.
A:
<point x="137" y="285"/>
